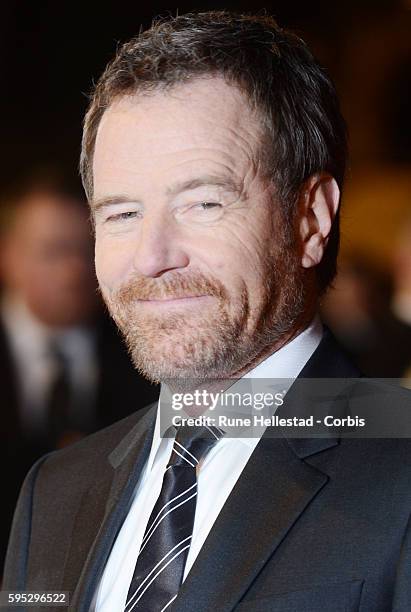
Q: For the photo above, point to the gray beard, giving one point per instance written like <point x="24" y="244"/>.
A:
<point x="214" y="344"/>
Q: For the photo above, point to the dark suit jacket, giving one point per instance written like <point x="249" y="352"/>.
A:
<point x="312" y="525"/>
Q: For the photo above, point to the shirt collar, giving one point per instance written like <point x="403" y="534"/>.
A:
<point x="286" y="363"/>
<point x="30" y="338"/>
<point x="27" y="335"/>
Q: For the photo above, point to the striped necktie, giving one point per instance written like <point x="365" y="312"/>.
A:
<point x="159" y="569"/>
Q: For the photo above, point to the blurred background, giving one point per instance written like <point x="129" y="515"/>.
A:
<point x="64" y="371"/>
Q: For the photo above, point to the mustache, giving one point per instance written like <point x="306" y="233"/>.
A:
<point x="173" y="287"/>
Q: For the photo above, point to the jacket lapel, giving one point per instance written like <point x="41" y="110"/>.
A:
<point x="272" y="492"/>
<point x="102" y="511"/>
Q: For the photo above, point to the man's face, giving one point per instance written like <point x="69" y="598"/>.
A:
<point x="190" y="252"/>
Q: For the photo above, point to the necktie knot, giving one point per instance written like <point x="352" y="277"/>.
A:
<point x="193" y="443"/>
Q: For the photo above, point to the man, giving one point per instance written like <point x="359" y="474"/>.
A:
<point x="57" y="351"/>
<point x="213" y="158"/>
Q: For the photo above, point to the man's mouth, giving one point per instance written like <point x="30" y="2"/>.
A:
<point x="185" y="300"/>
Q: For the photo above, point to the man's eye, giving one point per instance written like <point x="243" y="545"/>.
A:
<point x="123" y="216"/>
<point x="208" y="205"/>
<point x="205" y="212"/>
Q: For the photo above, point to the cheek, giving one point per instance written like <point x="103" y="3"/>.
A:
<point x="113" y="262"/>
<point x="236" y="263"/>
<point x="242" y="254"/>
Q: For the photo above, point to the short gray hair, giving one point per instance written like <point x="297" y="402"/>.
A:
<point x="296" y="99"/>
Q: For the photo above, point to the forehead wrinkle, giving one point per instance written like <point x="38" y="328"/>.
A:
<point x="227" y="172"/>
<point x="238" y="150"/>
<point x="249" y="143"/>
<point x="222" y="171"/>
<point x="232" y="143"/>
<point x="234" y="124"/>
<point x="221" y="155"/>
<point x="245" y="134"/>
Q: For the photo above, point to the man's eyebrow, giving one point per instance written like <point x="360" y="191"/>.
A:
<point x="108" y="200"/>
<point x="205" y="181"/>
<point x="201" y="181"/>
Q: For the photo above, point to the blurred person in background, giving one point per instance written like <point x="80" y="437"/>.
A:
<point x="64" y="371"/>
<point x="401" y="304"/>
<point x="355" y="307"/>
<point x="389" y="356"/>
<point x="370" y="311"/>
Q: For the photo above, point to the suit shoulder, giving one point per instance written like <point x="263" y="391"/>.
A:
<point x="95" y="448"/>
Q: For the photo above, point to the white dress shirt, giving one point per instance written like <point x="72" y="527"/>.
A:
<point x="216" y="477"/>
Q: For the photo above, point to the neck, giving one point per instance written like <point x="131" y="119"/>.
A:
<point x="266" y="351"/>
<point x="221" y="384"/>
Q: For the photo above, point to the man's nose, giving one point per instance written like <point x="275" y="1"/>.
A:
<point x="159" y="247"/>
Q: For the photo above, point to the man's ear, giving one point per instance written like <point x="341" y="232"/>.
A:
<point x="318" y="205"/>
